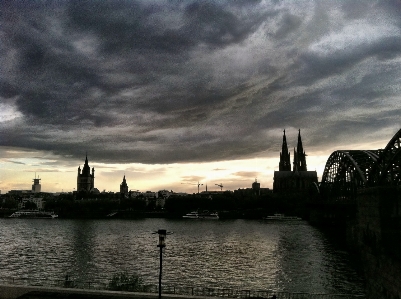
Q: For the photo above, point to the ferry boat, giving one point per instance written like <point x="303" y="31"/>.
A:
<point x="201" y="215"/>
<point x="278" y="216"/>
<point x="33" y="214"/>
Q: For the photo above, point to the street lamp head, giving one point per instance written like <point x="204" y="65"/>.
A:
<point x="162" y="237"/>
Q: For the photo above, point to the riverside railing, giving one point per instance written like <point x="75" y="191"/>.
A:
<point x="180" y="289"/>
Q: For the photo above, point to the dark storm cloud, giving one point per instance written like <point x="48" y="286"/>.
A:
<point x="178" y="81"/>
<point x="138" y="26"/>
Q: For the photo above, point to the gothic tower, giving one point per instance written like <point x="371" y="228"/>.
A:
<point x="124" y="187"/>
<point x="285" y="160"/>
<point x="86" y="179"/>
<point x="299" y="155"/>
<point x="298" y="180"/>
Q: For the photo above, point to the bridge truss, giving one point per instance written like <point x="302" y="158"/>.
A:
<point x="346" y="171"/>
<point x="387" y="170"/>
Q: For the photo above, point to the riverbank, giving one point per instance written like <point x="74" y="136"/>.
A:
<point x="134" y="214"/>
<point x="40" y="292"/>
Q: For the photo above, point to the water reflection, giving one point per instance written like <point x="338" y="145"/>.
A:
<point x="83" y="250"/>
<point x="228" y="254"/>
<point x="297" y="249"/>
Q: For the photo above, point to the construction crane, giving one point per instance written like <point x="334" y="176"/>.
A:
<point x="221" y="186"/>
<point x="193" y="184"/>
<point x="198" y="186"/>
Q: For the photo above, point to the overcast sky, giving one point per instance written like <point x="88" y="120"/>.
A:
<point x="174" y="92"/>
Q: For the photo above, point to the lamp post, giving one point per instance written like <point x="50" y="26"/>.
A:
<point x="162" y="243"/>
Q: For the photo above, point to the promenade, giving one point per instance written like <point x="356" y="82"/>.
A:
<point x="41" y="292"/>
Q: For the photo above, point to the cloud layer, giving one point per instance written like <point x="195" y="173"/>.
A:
<point x="191" y="81"/>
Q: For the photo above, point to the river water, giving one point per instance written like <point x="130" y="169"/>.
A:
<point x="238" y="254"/>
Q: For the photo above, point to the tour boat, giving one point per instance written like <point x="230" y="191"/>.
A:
<point x="33" y="214"/>
<point x="201" y="215"/>
<point x="281" y="217"/>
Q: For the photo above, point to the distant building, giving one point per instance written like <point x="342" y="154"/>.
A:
<point x="255" y="190"/>
<point x="19" y="192"/>
<point x="124" y="187"/>
<point x="135" y="193"/>
<point x="264" y="191"/>
<point x="165" y="193"/>
<point x="36" y="187"/>
<point x="150" y="194"/>
<point x="37" y="201"/>
<point x="299" y="179"/>
<point x="180" y="194"/>
<point x="85" y="179"/>
<point x="160" y="202"/>
<point x="256" y="187"/>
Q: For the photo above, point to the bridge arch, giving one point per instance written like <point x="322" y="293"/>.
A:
<point x="387" y="170"/>
<point x="346" y="171"/>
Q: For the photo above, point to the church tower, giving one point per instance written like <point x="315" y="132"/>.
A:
<point x="299" y="156"/>
<point x="285" y="160"/>
<point x="85" y="179"/>
<point x="124" y="187"/>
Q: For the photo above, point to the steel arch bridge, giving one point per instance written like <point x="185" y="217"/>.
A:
<point x="387" y="170"/>
<point x="346" y="171"/>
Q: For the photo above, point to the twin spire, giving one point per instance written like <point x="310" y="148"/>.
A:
<point x="299" y="156"/>
<point x="285" y="161"/>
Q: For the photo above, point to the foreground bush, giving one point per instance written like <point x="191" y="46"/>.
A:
<point x="128" y="283"/>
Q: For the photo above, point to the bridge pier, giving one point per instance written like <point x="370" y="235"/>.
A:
<point x="375" y="234"/>
<point x="331" y="213"/>
<point x="371" y="228"/>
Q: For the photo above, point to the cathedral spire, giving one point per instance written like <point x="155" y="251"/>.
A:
<point x="300" y="148"/>
<point x="285" y="160"/>
<point x="300" y="163"/>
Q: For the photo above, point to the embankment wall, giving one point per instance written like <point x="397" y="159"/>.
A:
<point x="375" y="234"/>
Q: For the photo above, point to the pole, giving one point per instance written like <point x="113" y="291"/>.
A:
<point x="160" y="274"/>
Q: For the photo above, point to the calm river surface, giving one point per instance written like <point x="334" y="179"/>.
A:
<point x="244" y="254"/>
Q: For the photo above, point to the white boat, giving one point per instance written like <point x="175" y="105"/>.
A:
<point x="191" y="215"/>
<point x="33" y="214"/>
<point x="201" y="215"/>
<point x="278" y="216"/>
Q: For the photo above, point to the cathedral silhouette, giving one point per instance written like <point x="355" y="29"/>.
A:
<point x="299" y="179"/>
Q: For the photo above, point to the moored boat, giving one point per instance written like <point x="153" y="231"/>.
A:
<point x="278" y="216"/>
<point x="201" y="215"/>
<point x="191" y="215"/>
<point x="33" y="214"/>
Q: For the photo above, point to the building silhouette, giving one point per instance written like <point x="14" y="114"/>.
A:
<point x="124" y="187"/>
<point x="86" y="179"/>
<point x="256" y="187"/>
<point x="36" y="187"/>
<point x="299" y="179"/>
